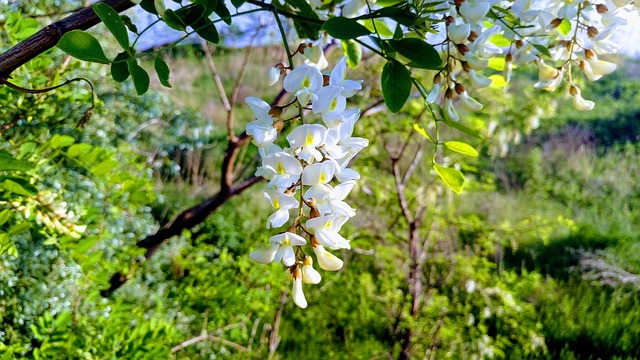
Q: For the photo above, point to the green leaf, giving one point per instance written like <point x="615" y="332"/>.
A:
<point x="422" y="54"/>
<point x="344" y="29"/>
<point x="7" y="245"/>
<point x="238" y="3"/>
<point x="422" y="132"/>
<point x="565" y="27"/>
<point x="163" y="71"/>
<point x="451" y="177"/>
<point x="353" y="51"/>
<point x="129" y="24"/>
<point x="8" y="162"/>
<point x="79" y="149"/>
<point x="15" y="188"/>
<point x="380" y="26"/>
<point x="207" y="30"/>
<point x="149" y="6"/>
<point x="113" y="22"/>
<point x="190" y="14"/>
<point x="82" y="46"/>
<point x="19" y="228"/>
<point x="396" y="85"/>
<point x="462" y="128"/>
<point x="461" y="148"/>
<point x="173" y="21"/>
<point x="140" y="77"/>
<point x="222" y="11"/>
<point x="119" y="69"/>
<point x="542" y="49"/>
<point x="4" y="216"/>
<point x="60" y="141"/>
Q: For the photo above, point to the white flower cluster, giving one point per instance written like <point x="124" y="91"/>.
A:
<point x="311" y="176"/>
<point x="573" y="32"/>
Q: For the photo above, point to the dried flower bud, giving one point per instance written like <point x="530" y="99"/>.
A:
<point x="462" y="48"/>
<point x="556" y="22"/>
<point x="278" y="125"/>
<point x="325" y="80"/>
<point x="448" y="94"/>
<point x="592" y="31"/>
<point x="459" y="88"/>
<point x="589" y="54"/>
<point x="573" y="90"/>
<point x="601" y="8"/>
<point x="275" y="111"/>
<point x="519" y="44"/>
<point x="301" y="48"/>
<point x="508" y="57"/>
<point x="472" y="36"/>
<point x="437" y="78"/>
<point x="465" y="66"/>
<point x="313" y="241"/>
<point x="449" y="20"/>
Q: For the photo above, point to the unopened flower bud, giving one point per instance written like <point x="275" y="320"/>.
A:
<point x="592" y="31"/>
<point x="448" y="94"/>
<point x="465" y="66"/>
<point x="508" y="57"/>
<point x="589" y="54"/>
<point x="601" y="8"/>
<point x="437" y="78"/>
<point x="556" y="22"/>
<point x="449" y="20"/>
<point x="459" y="88"/>
<point x="278" y="125"/>
<point x="275" y="111"/>
<point x="301" y="48"/>
<point x="472" y="36"/>
<point x="519" y="44"/>
<point x="462" y="48"/>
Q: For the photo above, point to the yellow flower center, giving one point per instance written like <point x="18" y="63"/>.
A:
<point x="286" y="241"/>
<point x="306" y="82"/>
<point x="334" y="103"/>
<point x="276" y="203"/>
<point x="280" y="168"/>
<point x="323" y="177"/>
<point x="328" y="224"/>
<point x="309" y="140"/>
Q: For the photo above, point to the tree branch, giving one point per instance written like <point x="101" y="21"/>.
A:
<point x="49" y="36"/>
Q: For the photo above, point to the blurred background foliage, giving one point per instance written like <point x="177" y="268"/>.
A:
<point x="538" y="258"/>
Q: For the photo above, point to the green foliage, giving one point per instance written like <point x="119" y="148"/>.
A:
<point x="83" y="46"/>
<point x="344" y="29"/>
<point x="396" y="85"/>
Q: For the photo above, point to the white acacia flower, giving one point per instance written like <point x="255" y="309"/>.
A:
<point x="264" y="255"/>
<point x="331" y="104"/>
<point x="588" y="72"/>
<point x="326" y="231"/>
<point x="306" y="138"/>
<point x="449" y="110"/>
<point x="602" y="42"/>
<point x="469" y="103"/>
<point x="262" y="129"/>
<point x="331" y="201"/>
<point x="459" y="33"/>
<point x="282" y="203"/>
<point x="473" y="11"/>
<point x="286" y="241"/>
<point x="435" y="93"/>
<point x="579" y="102"/>
<point x="296" y="292"/>
<point x="309" y="274"/>
<point x="478" y="81"/>
<point x="304" y="81"/>
<point x="600" y="67"/>
<point x="314" y="54"/>
<point x="475" y="62"/>
<point x="273" y="75"/>
<point x="338" y="78"/>
<point x="161" y="8"/>
<point x="318" y="174"/>
<point x="282" y="169"/>
<point x="326" y="260"/>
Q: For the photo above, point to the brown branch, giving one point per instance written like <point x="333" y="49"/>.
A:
<point x="49" y="36"/>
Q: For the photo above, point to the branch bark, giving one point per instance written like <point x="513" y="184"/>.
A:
<point x="49" y="36"/>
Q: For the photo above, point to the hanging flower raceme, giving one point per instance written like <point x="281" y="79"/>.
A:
<point x="311" y="176"/>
